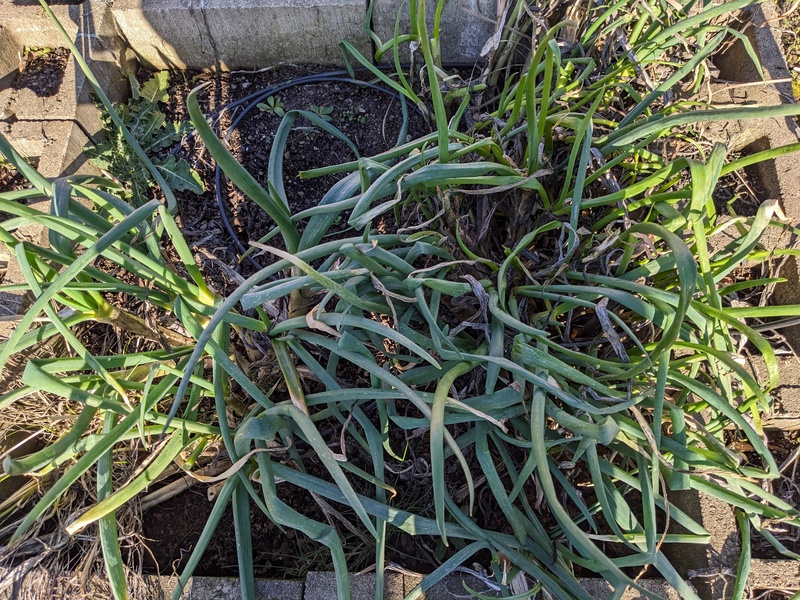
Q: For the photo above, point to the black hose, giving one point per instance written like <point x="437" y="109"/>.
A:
<point x="254" y="98"/>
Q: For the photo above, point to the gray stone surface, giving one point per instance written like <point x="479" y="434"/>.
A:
<point x="774" y="574"/>
<point x="23" y="22"/>
<point x="599" y="589"/>
<point x="229" y="34"/>
<point x="162" y="588"/>
<point x="15" y="303"/>
<point x="90" y="25"/>
<point x="57" y="149"/>
<point x="708" y="567"/>
<point x="223" y="588"/>
<point x="55" y="146"/>
<point x="322" y="586"/>
<point x="451" y="587"/>
<point x="779" y="178"/>
<point x="466" y="26"/>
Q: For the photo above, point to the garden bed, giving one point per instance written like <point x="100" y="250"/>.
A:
<point x="201" y="220"/>
<point x="370" y="117"/>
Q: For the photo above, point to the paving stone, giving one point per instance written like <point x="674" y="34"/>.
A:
<point x="90" y="25"/>
<point x="709" y="567"/>
<point x="162" y="588"/>
<point x="778" y="178"/>
<point x="774" y="574"/>
<point x="601" y="590"/>
<point x="466" y="26"/>
<point x="55" y="146"/>
<point x="321" y="585"/>
<point x="227" y="588"/>
<point x="228" y="34"/>
<point x="450" y="587"/>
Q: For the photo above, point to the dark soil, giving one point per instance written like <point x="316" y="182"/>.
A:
<point x="43" y="71"/>
<point x="172" y="529"/>
<point x="372" y="120"/>
<point x="369" y="118"/>
<point x="10" y="179"/>
<point x="739" y="195"/>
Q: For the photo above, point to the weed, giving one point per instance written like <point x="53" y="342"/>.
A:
<point x="353" y="114"/>
<point x="154" y="133"/>
<point x="323" y="112"/>
<point x="273" y="105"/>
<point x="36" y="51"/>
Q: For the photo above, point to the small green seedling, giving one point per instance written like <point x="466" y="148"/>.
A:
<point x="36" y="51"/>
<point x="273" y="105"/>
<point x="324" y="112"/>
<point x="151" y="129"/>
<point x="353" y="114"/>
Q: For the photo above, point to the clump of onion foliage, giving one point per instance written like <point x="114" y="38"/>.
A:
<point x="557" y="303"/>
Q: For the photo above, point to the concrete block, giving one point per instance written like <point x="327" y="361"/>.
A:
<point x="785" y="413"/>
<point x="600" y="589"/>
<point x="214" y="588"/>
<point x="774" y="574"/>
<point x="450" y="588"/>
<point x="90" y="25"/>
<point x="161" y="588"/>
<point x="55" y="146"/>
<point x="321" y="585"/>
<point x="228" y="34"/>
<point x="29" y="21"/>
<point x="778" y="178"/>
<point x="73" y="99"/>
<point x="7" y="97"/>
<point x="709" y="568"/>
<point x="23" y="23"/>
<point x="466" y="25"/>
<point x="15" y="303"/>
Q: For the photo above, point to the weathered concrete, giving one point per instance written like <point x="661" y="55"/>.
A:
<point x="15" y="303"/>
<point x="90" y="25"/>
<point x="779" y="178"/>
<point x="451" y="587"/>
<point x="162" y="588"/>
<point x="710" y="568"/>
<point x="216" y="588"/>
<point x="321" y="585"/>
<point x="56" y="147"/>
<point x="46" y="130"/>
<point x="601" y="590"/>
<point x="24" y="23"/>
<point x="774" y="574"/>
<point x="228" y="34"/>
<point x="466" y="26"/>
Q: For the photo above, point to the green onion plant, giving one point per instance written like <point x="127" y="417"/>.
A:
<point x="555" y="317"/>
